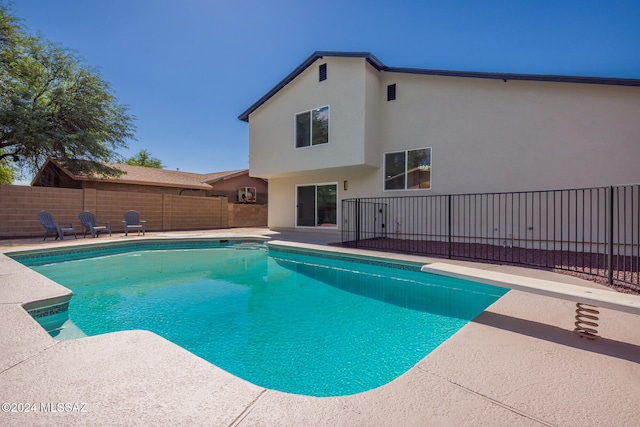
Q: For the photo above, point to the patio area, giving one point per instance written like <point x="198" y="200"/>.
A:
<point x="517" y="364"/>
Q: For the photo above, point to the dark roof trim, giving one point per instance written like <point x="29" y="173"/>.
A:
<point x="611" y="81"/>
<point x="378" y="65"/>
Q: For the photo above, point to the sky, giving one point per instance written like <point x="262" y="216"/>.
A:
<point x="187" y="69"/>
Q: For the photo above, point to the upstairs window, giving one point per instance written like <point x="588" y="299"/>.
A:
<point x="408" y="170"/>
<point x="322" y="71"/>
<point x="312" y="127"/>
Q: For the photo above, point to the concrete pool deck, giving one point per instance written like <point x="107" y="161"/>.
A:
<point x="517" y="364"/>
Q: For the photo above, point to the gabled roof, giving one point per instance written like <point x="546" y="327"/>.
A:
<point x="140" y="175"/>
<point x="378" y="65"/>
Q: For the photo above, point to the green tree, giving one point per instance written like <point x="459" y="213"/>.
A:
<point x="54" y="106"/>
<point x="9" y="38"/>
<point x="143" y="158"/>
<point x="7" y="172"/>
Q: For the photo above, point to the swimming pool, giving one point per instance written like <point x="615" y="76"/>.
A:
<point x="308" y="323"/>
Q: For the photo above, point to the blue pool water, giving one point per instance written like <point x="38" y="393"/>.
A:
<point x="284" y="320"/>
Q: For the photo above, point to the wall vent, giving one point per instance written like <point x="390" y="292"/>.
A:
<point x="323" y="72"/>
<point x="391" y="92"/>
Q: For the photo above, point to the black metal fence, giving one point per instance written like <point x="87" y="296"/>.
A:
<point x="594" y="231"/>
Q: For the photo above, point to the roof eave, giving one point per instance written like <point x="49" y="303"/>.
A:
<point x="226" y="177"/>
<point x="377" y="64"/>
<point x="149" y="183"/>
<point x="515" y="76"/>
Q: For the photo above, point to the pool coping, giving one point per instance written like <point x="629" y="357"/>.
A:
<point x="119" y="376"/>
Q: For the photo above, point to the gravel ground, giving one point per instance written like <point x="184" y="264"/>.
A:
<point x="588" y="266"/>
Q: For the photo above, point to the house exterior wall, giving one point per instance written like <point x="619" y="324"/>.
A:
<point x="490" y="135"/>
<point x="486" y="135"/>
<point x="229" y="188"/>
<point x="272" y="150"/>
<point x="281" y="209"/>
<point x="282" y="192"/>
<point x="375" y="90"/>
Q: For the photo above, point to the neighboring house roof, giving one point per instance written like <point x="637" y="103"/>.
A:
<point x="211" y="178"/>
<point x="151" y="176"/>
<point x="378" y="65"/>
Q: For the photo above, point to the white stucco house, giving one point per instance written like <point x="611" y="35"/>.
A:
<point x="343" y="125"/>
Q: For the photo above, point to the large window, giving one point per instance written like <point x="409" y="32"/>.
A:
<point x="407" y="170"/>
<point x="317" y="205"/>
<point x="312" y="127"/>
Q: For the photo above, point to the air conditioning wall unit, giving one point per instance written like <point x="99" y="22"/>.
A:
<point x="247" y="194"/>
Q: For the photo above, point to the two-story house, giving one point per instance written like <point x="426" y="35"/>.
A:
<point x="344" y="125"/>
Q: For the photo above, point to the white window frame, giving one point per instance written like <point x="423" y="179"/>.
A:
<point x="316" y="185"/>
<point x="295" y="127"/>
<point x="406" y="172"/>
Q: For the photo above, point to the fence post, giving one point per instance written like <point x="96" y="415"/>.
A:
<point x="450" y="215"/>
<point x="610" y="232"/>
<point x="357" y="221"/>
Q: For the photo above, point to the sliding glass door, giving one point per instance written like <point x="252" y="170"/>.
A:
<point x="316" y="205"/>
<point x="306" y="206"/>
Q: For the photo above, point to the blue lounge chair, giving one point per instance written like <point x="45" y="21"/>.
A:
<point x="47" y="221"/>
<point x="132" y="222"/>
<point x="90" y="224"/>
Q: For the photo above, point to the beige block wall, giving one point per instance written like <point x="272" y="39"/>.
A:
<point x="241" y="215"/>
<point x="111" y="206"/>
<point x="190" y="213"/>
<point x="19" y="207"/>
